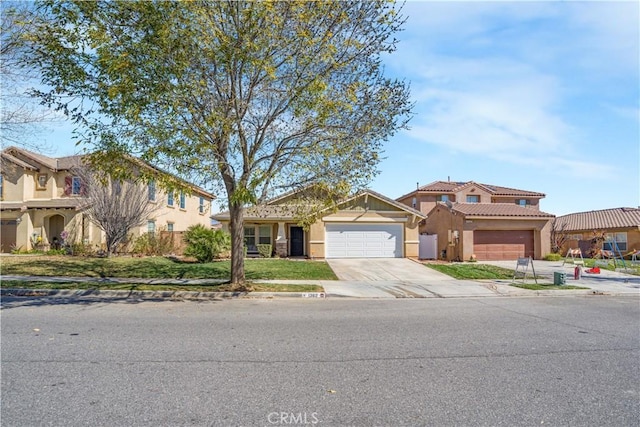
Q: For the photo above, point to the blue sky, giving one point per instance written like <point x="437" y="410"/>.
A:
<point x="540" y="96"/>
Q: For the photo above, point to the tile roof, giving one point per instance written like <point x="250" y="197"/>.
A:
<point x="498" y="209"/>
<point x="62" y="203"/>
<point x="269" y="211"/>
<point x="28" y="159"/>
<point x="453" y="187"/>
<point x="600" y="219"/>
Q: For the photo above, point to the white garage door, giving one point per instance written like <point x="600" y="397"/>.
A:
<point x="363" y="240"/>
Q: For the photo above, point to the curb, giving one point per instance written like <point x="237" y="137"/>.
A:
<point x="154" y="295"/>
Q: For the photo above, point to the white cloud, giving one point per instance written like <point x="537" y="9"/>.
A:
<point x="507" y="80"/>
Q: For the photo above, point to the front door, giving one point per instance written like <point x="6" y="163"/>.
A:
<point x="297" y="241"/>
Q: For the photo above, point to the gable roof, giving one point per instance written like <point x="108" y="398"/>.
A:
<point x="496" y="210"/>
<point x="600" y="219"/>
<point x="271" y="210"/>
<point x="30" y="160"/>
<point x="440" y="187"/>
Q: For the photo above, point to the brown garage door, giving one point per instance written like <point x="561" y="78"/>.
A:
<point x="494" y="245"/>
<point x="8" y="229"/>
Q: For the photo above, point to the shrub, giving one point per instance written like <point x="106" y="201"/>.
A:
<point x="56" y="252"/>
<point x="152" y="243"/>
<point x="205" y="244"/>
<point x="80" y="249"/>
<point x="265" y="250"/>
<point x="552" y="257"/>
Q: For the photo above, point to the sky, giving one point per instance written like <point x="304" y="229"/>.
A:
<point x="538" y="96"/>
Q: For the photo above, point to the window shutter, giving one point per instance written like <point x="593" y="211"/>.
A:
<point x="67" y="185"/>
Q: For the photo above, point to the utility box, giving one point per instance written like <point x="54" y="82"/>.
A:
<point x="559" y="278"/>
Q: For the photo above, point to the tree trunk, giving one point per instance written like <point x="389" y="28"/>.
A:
<point x="236" y="212"/>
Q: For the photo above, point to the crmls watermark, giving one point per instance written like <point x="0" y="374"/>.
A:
<point x="293" y="418"/>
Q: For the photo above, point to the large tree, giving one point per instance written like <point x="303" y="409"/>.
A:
<point x="22" y="118"/>
<point x="255" y="97"/>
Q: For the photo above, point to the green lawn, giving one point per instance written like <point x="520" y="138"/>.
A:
<point x="545" y="286"/>
<point x="256" y="287"/>
<point x="160" y="267"/>
<point x="473" y="271"/>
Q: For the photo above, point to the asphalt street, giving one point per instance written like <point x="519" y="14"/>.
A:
<point x="483" y="361"/>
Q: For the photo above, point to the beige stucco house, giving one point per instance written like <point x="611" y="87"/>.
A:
<point x="620" y="227"/>
<point x="366" y="225"/>
<point x="482" y="221"/>
<point x="40" y="198"/>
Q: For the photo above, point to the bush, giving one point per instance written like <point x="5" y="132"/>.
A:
<point x="56" y="252"/>
<point x="552" y="257"/>
<point x="80" y="249"/>
<point x="205" y="244"/>
<point x="265" y="250"/>
<point x="152" y="244"/>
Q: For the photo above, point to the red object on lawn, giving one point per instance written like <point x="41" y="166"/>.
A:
<point x="594" y="270"/>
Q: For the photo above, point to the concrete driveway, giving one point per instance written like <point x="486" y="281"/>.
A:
<point x="396" y="278"/>
<point x="383" y="269"/>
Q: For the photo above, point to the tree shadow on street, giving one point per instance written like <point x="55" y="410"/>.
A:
<point x="10" y="302"/>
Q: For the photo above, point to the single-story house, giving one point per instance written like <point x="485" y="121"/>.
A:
<point x="488" y="231"/>
<point x="620" y="227"/>
<point x="366" y="225"/>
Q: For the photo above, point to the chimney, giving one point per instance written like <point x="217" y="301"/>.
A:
<point x="448" y="178"/>
<point x="417" y="185"/>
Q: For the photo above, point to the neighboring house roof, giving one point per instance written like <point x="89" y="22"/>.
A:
<point x="600" y="219"/>
<point x="61" y="203"/>
<point x="17" y="161"/>
<point x="496" y="210"/>
<point x="30" y="160"/>
<point x="440" y="187"/>
<point x="270" y="210"/>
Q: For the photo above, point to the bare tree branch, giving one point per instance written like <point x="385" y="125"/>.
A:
<point x="115" y="206"/>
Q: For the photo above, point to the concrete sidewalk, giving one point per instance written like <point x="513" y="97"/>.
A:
<point x="607" y="282"/>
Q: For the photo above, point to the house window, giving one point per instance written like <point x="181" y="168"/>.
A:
<point x="473" y="198"/>
<point x="42" y="181"/>
<point x="201" y="205"/>
<point x="76" y="185"/>
<point x="183" y="201"/>
<point x="615" y="242"/>
<point x="442" y="198"/>
<point x="523" y="202"/>
<point x="250" y="236"/>
<point x="264" y="235"/>
<point x="152" y="190"/>
<point x="151" y="226"/>
<point x="170" y="199"/>
<point x="1" y="187"/>
<point x="414" y="203"/>
<point x="169" y="226"/>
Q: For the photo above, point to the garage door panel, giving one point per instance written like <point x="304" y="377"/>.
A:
<point x="493" y="245"/>
<point x="363" y="240"/>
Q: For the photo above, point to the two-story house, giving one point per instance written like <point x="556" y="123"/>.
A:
<point x="480" y="221"/>
<point x="40" y="197"/>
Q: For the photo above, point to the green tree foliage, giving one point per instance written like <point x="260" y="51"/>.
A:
<point x="205" y="244"/>
<point x="254" y="98"/>
<point x="22" y="118"/>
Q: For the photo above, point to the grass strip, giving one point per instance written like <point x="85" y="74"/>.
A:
<point x="545" y="286"/>
<point x="256" y="287"/>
